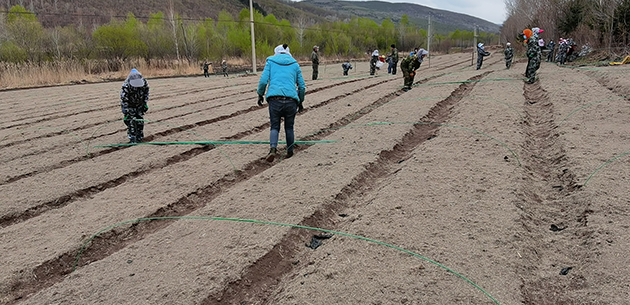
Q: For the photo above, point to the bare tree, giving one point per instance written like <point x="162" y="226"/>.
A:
<point x="301" y="25"/>
<point x="174" y="22"/>
<point x="56" y="37"/>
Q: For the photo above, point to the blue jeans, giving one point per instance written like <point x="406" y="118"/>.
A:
<point x="286" y="109"/>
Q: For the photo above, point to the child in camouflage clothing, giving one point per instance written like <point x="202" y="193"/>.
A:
<point x="133" y="100"/>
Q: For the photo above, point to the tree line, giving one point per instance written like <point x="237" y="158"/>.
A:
<point x="602" y="24"/>
<point x="170" y="37"/>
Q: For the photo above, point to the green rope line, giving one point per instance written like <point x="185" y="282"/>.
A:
<point x="196" y="134"/>
<point x="589" y="105"/>
<point x="212" y="142"/>
<point x="602" y="166"/>
<point x="285" y="225"/>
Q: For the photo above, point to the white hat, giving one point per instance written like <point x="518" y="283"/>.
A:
<point x="479" y="45"/>
<point x="281" y="50"/>
<point x="509" y="44"/>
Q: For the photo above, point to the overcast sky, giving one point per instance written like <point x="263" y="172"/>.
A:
<point x="491" y="10"/>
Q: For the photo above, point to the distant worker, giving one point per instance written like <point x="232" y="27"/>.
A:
<point x="481" y="53"/>
<point x="509" y="55"/>
<point x="563" y="50"/>
<point x="551" y="46"/>
<point x="315" y="61"/>
<point x="285" y="96"/>
<point x="373" y="62"/>
<point x="346" y="66"/>
<point x="409" y="65"/>
<point x="206" y="67"/>
<point x="534" y="55"/>
<point x="133" y="101"/>
<point x="224" y="67"/>
<point x="393" y="60"/>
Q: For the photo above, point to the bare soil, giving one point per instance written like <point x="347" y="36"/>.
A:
<point x="472" y="188"/>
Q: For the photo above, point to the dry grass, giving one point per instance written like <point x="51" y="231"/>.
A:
<point x="29" y="75"/>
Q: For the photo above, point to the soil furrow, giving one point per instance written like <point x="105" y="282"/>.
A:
<point x="544" y="197"/>
<point x="53" y="271"/>
<point x="178" y="129"/>
<point x="261" y="279"/>
<point x="158" y="111"/>
<point x="104" y="122"/>
<point x="63" y="114"/>
<point x="7" y="220"/>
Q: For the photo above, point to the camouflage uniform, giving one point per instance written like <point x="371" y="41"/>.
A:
<point x="551" y="47"/>
<point x="315" y="61"/>
<point x="394" y="59"/>
<point x="133" y="101"/>
<point x="224" y="68"/>
<point x="534" y="56"/>
<point x="206" y="67"/>
<point x="563" y="49"/>
<point x="480" y="55"/>
<point x="509" y="55"/>
<point x="346" y="66"/>
<point x="373" y="62"/>
<point x="408" y="66"/>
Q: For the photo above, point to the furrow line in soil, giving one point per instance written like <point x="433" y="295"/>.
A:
<point x="261" y="278"/>
<point x="175" y="130"/>
<point x="546" y="202"/>
<point x="65" y="115"/>
<point x="45" y="117"/>
<point x="606" y="83"/>
<point x="7" y="220"/>
<point x="95" y="124"/>
<point x="53" y="271"/>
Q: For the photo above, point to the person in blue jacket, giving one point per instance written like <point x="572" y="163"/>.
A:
<point x="285" y="94"/>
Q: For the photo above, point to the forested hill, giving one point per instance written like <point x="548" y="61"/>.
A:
<point x="53" y="13"/>
<point x="63" y="12"/>
<point x="445" y="21"/>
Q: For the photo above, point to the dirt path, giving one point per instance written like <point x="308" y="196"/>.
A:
<point x="472" y="188"/>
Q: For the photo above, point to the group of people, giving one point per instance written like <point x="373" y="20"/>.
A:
<point x="206" y="68"/>
<point x="281" y="84"/>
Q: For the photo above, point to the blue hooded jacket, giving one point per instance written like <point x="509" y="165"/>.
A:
<point x="282" y="73"/>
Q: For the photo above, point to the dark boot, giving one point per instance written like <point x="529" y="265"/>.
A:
<point x="271" y="155"/>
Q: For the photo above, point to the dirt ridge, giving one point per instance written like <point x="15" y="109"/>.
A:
<point x="261" y="278"/>
<point x="53" y="271"/>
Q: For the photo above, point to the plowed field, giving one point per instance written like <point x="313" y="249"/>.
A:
<point x="472" y="188"/>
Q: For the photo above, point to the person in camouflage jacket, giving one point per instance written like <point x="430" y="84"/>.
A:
<point x="133" y="101"/>
<point x="409" y="65"/>
<point x="509" y="55"/>
<point x="534" y="56"/>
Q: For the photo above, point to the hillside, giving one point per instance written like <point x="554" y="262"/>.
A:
<point x="63" y="12"/>
<point x="443" y="21"/>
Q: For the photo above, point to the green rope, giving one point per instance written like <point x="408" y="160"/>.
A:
<point x="602" y="166"/>
<point x="285" y="225"/>
<point x="213" y="143"/>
